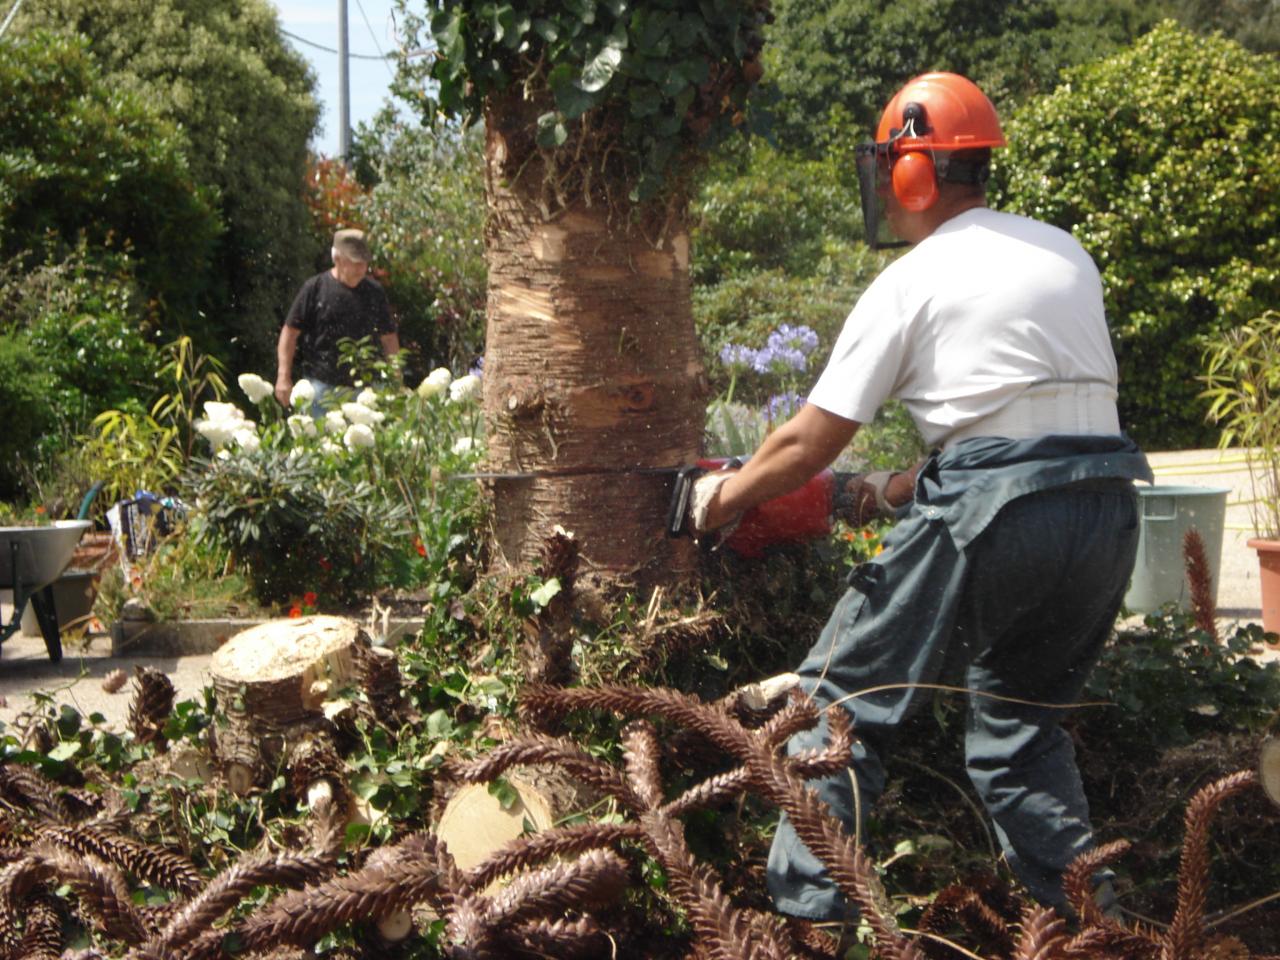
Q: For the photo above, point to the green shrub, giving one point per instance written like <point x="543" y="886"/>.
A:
<point x="425" y="219"/>
<point x="759" y="208"/>
<point x="25" y="386"/>
<point x="1162" y="161"/>
<point x="82" y="161"/>
<point x="342" y="507"/>
<point x="223" y="73"/>
<point x="1171" y="683"/>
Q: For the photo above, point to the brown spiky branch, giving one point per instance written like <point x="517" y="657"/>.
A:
<point x="25" y="787"/>
<point x="1200" y="581"/>
<point x="1186" y="932"/>
<point x="146" y="862"/>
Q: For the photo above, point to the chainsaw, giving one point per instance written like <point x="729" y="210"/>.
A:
<point x="806" y="513"/>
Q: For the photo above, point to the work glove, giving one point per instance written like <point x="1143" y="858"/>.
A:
<point x="705" y="489"/>
<point x="863" y="498"/>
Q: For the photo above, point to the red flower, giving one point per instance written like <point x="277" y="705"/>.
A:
<point x="325" y="565"/>
<point x="420" y="546"/>
<point x="309" y="599"/>
<point x="295" y="611"/>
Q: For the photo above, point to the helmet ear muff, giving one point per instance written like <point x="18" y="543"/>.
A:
<point x="915" y="184"/>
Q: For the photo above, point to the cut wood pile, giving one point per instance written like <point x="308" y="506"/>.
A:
<point x="554" y="892"/>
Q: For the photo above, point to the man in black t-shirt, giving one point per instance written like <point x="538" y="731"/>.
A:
<point x="340" y="303"/>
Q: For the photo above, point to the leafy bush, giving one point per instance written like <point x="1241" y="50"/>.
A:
<point x="759" y="208"/>
<point x="1161" y="161"/>
<point x="83" y="161"/>
<point x="340" y="507"/>
<point x="425" y="219"/>
<point x="24" y="389"/>
<point x="1172" y="683"/>
<point x="223" y="73"/>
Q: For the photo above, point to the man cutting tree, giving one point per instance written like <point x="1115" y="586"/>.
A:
<point x="1015" y="538"/>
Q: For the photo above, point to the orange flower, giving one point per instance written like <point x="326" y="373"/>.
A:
<point x="309" y="598"/>
<point x="867" y="534"/>
<point x="40" y="511"/>
<point x="295" y="611"/>
<point x="420" y="546"/>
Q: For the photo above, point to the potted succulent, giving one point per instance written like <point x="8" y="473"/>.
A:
<point x="1242" y="377"/>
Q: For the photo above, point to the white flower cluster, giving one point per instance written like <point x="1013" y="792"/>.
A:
<point x="440" y="380"/>
<point x="255" y="388"/>
<point x="225" y="423"/>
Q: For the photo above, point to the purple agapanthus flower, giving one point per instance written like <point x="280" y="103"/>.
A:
<point x="780" y="359"/>
<point x="737" y="355"/>
<point x="800" y="338"/>
<point x="478" y="369"/>
<point x="784" y="406"/>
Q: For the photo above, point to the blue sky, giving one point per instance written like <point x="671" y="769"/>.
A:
<point x="317" y="21"/>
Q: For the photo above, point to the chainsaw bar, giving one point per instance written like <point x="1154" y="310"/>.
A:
<point x="571" y="472"/>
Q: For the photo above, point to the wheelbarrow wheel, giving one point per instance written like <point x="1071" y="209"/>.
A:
<point x="47" y="616"/>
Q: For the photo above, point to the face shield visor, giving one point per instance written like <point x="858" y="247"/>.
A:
<point x="875" y="166"/>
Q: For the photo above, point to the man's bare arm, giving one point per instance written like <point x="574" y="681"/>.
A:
<point x="286" y="347"/>
<point x="791" y="455"/>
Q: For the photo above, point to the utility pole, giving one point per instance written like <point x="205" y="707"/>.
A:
<point x="344" y="86"/>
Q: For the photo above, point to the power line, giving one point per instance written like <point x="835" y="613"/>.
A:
<point x="5" y="26"/>
<point x="318" y="46"/>
<point x="364" y="16"/>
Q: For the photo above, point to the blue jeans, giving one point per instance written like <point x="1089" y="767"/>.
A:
<point x="1022" y="611"/>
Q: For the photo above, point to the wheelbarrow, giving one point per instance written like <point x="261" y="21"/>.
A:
<point x="31" y="559"/>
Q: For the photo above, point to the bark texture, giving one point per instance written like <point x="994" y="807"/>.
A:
<point x="592" y="367"/>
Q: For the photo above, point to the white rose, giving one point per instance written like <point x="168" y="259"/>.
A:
<point x="464" y="445"/>
<point x="255" y="388"/>
<point x="301" y="425"/>
<point x="329" y="447"/>
<point x="248" y="440"/>
<point x="359" y="413"/>
<point x="222" y="411"/>
<point x="223" y="454"/>
<point x="368" y="397"/>
<point x="358" y="435"/>
<point x="436" y="381"/>
<point x="464" y="388"/>
<point x="303" y="393"/>
<point x="335" y="422"/>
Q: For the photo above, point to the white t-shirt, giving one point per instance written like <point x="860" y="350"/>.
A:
<point x="965" y="321"/>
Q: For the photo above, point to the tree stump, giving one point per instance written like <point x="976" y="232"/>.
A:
<point x="1269" y="770"/>
<point x="270" y="681"/>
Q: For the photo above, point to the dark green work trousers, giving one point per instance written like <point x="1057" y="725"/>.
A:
<point x="1020" y="611"/>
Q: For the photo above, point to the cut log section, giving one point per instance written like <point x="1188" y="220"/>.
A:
<point x="270" y="681"/>
<point x="1269" y="770"/>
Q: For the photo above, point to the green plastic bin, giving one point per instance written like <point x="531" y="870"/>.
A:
<point x="1166" y="513"/>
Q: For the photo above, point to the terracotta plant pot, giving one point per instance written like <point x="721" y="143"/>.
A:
<point x="1269" y="565"/>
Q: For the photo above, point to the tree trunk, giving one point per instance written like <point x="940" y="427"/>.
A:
<point x="592" y="368"/>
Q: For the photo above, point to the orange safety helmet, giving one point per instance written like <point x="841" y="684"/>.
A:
<point x="933" y="113"/>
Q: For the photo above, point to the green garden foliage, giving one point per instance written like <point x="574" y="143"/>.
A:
<point x="658" y="81"/>
<point x="24" y="387"/>
<point x="425" y="218"/>
<point x="84" y="161"/>
<point x="341" y="507"/>
<point x="841" y="60"/>
<point x="222" y="71"/>
<point x="1162" y="161"/>
<point x="760" y="208"/>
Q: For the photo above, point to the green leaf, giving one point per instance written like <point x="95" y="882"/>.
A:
<point x="600" y="69"/>
<point x="546" y="29"/>
<point x="506" y="794"/>
<point x="571" y="99"/>
<point x="544" y="594"/>
<point x="65" y="750"/>
<point x="551" y="132"/>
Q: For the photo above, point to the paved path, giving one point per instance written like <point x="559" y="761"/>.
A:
<point x="25" y="667"/>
